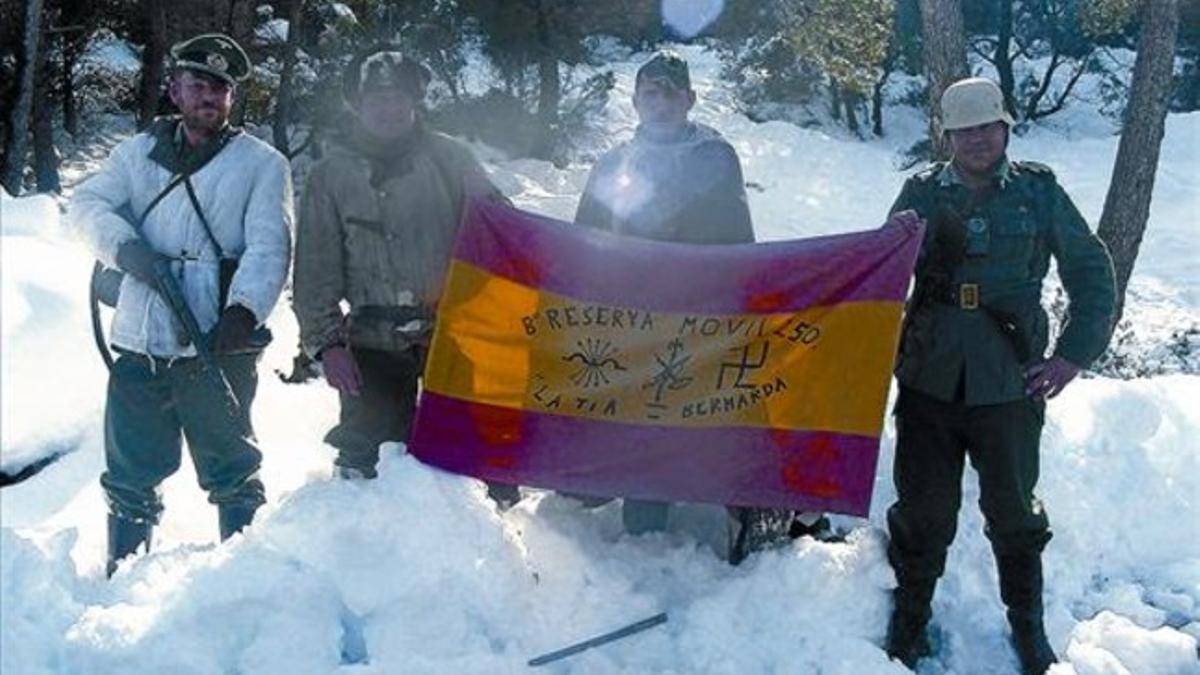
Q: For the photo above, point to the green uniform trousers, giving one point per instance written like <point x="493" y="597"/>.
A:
<point x="152" y="405"/>
<point x="933" y="438"/>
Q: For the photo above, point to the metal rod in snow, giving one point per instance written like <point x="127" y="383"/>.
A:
<point x="615" y="635"/>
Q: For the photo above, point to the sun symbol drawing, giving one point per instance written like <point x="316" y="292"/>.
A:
<point x="597" y="359"/>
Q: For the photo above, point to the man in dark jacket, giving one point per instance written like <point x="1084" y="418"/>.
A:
<point x="973" y="370"/>
<point x="675" y="181"/>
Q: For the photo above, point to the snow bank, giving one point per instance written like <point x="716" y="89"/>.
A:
<point x="416" y="573"/>
<point x="50" y="378"/>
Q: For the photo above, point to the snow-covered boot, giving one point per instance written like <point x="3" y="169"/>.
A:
<point x="907" y="639"/>
<point x="233" y="518"/>
<point x="752" y="529"/>
<point x="125" y="537"/>
<point x="1021" y="590"/>
<point x="816" y="525"/>
<point x="504" y="496"/>
<point x="352" y="473"/>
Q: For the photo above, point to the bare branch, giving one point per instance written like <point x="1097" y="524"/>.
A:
<point x="1062" y="97"/>
<point x="1032" y="105"/>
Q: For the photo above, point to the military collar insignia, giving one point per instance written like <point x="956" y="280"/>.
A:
<point x="170" y="151"/>
<point x="1003" y="174"/>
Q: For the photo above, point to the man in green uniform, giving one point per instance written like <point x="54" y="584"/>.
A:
<point x="973" y="369"/>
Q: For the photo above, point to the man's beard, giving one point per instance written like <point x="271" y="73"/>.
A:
<point x="199" y="122"/>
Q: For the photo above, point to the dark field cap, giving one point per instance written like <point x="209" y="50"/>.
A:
<point x="385" y="68"/>
<point x="214" y="54"/>
<point x="666" y="66"/>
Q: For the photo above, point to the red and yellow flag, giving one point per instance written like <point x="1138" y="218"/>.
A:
<point x="578" y="360"/>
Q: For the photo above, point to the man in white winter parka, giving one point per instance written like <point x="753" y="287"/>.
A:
<point x="216" y="204"/>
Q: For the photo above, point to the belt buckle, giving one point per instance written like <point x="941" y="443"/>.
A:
<point x="968" y="296"/>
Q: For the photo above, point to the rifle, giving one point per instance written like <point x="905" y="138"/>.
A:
<point x="168" y="288"/>
<point x="613" y="636"/>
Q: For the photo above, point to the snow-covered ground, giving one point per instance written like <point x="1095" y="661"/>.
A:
<point x="417" y="573"/>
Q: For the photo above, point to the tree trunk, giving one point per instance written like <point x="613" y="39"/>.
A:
<point x="850" y="99"/>
<point x="18" y="126"/>
<point x="877" y="108"/>
<point x="889" y="64"/>
<point x="45" y="157"/>
<point x="240" y="27"/>
<point x="70" y="107"/>
<point x="153" y="67"/>
<point x="1127" y="205"/>
<point x="1002" y="57"/>
<point x="72" y="46"/>
<point x="945" y="51"/>
<point x="283" y="103"/>
<point x="549" y="87"/>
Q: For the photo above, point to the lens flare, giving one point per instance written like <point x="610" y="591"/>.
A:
<point x="688" y="18"/>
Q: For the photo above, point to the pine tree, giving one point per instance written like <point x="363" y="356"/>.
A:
<point x="17" y="143"/>
<point x="1127" y="205"/>
<point x="945" y="51"/>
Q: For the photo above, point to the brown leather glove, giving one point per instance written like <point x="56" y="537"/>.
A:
<point x="341" y="370"/>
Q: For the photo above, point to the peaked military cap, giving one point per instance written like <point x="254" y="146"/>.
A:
<point x="384" y="67"/>
<point x="212" y="53"/>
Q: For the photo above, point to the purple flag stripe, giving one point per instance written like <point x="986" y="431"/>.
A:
<point x="740" y="466"/>
<point x="602" y="268"/>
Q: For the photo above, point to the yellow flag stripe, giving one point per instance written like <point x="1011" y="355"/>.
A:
<point x="503" y="343"/>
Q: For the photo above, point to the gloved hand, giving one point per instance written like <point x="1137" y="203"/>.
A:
<point x="341" y="371"/>
<point x="138" y="260"/>
<point x="907" y="219"/>
<point x="234" y="329"/>
<point x="1048" y="378"/>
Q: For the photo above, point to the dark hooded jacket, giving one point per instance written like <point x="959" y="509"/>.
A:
<point x="688" y="190"/>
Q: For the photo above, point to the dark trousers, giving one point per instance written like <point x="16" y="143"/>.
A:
<point x="933" y="440"/>
<point x="382" y="411"/>
<point x="152" y="405"/>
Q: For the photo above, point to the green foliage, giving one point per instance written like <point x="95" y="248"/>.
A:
<point x="1105" y="17"/>
<point x="846" y="39"/>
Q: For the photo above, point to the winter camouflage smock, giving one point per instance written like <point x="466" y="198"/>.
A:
<point x="377" y="224"/>
<point x="688" y="190"/>
<point x="245" y="193"/>
<point x="1004" y="247"/>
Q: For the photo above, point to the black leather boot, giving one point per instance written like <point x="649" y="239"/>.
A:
<point x="1021" y="590"/>
<point x="907" y="639"/>
<point x="125" y="537"/>
<point x="233" y="518"/>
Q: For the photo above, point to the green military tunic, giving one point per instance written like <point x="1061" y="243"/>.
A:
<point x="956" y="353"/>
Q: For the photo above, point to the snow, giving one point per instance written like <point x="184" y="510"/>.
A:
<point x="109" y="52"/>
<point x="416" y="572"/>
<point x="273" y="31"/>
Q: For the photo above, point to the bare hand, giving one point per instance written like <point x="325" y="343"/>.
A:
<point x="1047" y="379"/>
<point x="341" y="371"/>
<point x="908" y="219"/>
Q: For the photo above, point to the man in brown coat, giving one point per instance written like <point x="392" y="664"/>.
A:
<point x="376" y="225"/>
